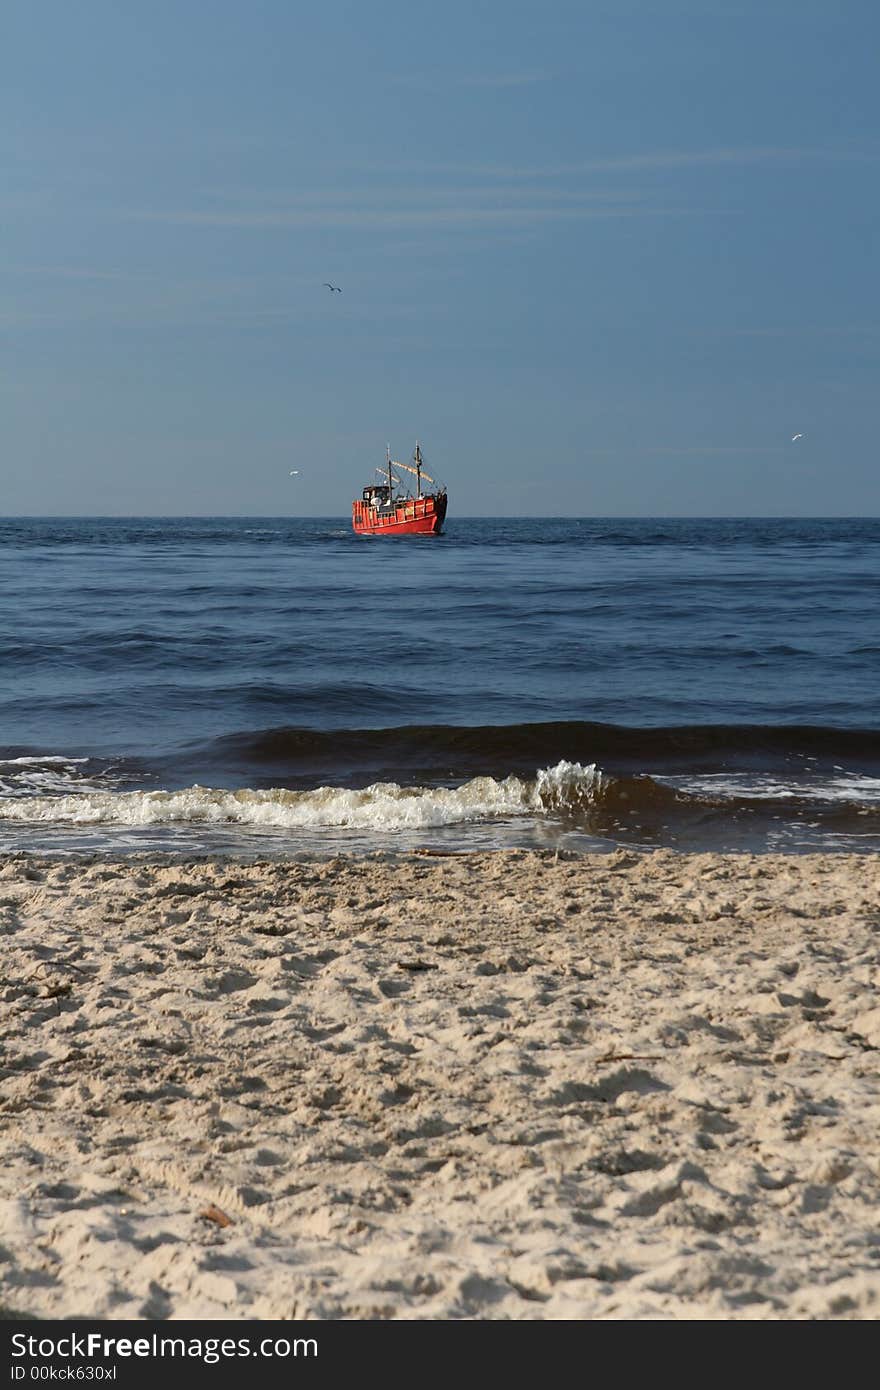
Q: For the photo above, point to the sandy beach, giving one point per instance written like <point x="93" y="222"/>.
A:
<point x="501" y="1086"/>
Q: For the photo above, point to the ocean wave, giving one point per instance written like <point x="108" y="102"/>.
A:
<point x="577" y="794"/>
<point x="445" y="751"/>
<point x="381" y="806"/>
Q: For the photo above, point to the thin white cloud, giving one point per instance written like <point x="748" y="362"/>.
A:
<point x="387" y="198"/>
<point x="797" y="331"/>
<point x="505" y="196"/>
<point x="648" y="161"/>
<point x="385" y="218"/>
<point x="692" y="159"/>
<point x="497" y="81"/>
<point x="502" y="79"/>
<point x="689" y="450"/>
<point x="62" y="272"/>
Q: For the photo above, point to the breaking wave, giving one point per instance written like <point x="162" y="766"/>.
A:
<point x="384" y="806"/>
<point x="580" y="795"/>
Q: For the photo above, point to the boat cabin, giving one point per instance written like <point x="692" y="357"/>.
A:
<point x="378" y="495"/>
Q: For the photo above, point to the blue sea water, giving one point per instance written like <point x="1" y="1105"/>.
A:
<point x="280" y="686"/>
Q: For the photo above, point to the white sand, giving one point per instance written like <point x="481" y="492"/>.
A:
<point x="494" y="1087"/>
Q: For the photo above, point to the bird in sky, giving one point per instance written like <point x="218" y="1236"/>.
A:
<point x="335" y="288"/>
<point x="795" y="437"/>
<point x="294" y="472"/>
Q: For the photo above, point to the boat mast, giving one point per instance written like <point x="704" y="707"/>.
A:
<point x="388" y="461"/>
<point x="418" y="459"/>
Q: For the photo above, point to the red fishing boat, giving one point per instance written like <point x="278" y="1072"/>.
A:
<point x="391" y="508"/>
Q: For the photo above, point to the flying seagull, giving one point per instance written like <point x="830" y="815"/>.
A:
<point x="294" y="472"/>
<point x="334" y="288"/>
<point x="797" y="436"/>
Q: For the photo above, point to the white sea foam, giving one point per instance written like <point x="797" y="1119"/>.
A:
<point x="849" y="787"/>
<point x="384" y="806"/>
<point x="48" y="774"/>
<point x="50" y="759"/>
<point x="569" y="785"/>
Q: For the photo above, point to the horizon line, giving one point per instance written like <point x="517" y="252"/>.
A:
<point x="475" y="516"/>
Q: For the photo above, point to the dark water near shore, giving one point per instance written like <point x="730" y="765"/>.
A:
<point x="280" y="686"/>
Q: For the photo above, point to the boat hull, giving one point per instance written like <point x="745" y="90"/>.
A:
<point x="423" y="516"/>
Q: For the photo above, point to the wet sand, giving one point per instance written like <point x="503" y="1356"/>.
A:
<point x="498" y="1086"/>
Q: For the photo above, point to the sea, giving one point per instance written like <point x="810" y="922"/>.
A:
<point x="276" y="687"/>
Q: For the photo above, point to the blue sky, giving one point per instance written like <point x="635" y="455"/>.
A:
<point x="600" y="258"/>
